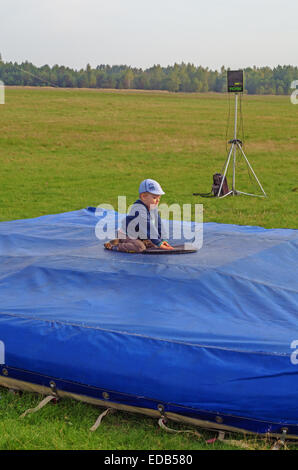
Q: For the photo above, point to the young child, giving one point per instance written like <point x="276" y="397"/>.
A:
<point x="142" y="228"/>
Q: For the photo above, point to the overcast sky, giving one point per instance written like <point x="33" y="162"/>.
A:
<point x="211" y="33"/>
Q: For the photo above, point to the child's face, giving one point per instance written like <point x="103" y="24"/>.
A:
<point x="150" y="200"/>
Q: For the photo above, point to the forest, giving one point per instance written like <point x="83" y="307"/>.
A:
<point x="175" y="78"/>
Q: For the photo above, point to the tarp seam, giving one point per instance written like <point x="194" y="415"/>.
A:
<point x="126" y="333"/>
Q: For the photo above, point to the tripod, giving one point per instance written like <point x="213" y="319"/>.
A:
<point x="236" y="144"/>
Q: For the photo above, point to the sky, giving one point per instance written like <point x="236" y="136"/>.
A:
<point x="138" y="33"/>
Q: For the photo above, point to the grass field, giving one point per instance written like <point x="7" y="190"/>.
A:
<point x="66" y="426"/>
<point x="62" y="150"/>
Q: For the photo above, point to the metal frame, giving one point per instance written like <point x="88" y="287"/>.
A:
<point x="236" y="144"/>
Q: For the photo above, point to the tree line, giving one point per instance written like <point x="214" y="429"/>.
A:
<point x="176" y="78"/>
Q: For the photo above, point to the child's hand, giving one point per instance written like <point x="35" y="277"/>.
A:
<point x="165" y="246"/>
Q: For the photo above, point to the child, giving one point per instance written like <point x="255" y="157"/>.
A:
<point x="142" y="228"/>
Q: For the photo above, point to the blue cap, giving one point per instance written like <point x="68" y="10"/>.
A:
<point x="150" y="186"/>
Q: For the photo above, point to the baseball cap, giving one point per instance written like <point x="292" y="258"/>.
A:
<point x="150" y="186"/>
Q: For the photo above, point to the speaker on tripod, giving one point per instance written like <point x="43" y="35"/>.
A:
<point x="235" y="85"/>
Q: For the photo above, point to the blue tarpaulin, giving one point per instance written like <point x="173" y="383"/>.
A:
<point x="209" y="334"/>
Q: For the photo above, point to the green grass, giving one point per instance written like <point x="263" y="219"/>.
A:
<point x="66" y="426"/>
<point x="62" y="150"/>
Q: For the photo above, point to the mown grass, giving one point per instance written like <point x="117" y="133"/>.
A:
<point x="66" y="426"/>
<point x="63" y="150"/>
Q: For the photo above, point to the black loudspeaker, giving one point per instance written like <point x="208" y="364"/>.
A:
<point x="235" y="81"/>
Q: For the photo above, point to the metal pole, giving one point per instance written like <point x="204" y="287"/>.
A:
<point x="235" y="147"/>
<point x="236" y="110"/>
<point x="225" y="172"/>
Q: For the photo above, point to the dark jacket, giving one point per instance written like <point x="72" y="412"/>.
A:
<point x="148" y="225"/>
